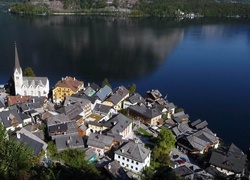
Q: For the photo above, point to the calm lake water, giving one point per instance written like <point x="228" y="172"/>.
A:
<point x="202" y="65"/>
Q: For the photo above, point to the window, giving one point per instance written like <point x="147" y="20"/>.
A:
<point x="127" y="159"/>
<point x="132" y="167"/>
<point x="123" y="158"/>
<point x="136" y="163"/>
<point x="123" y="164"/>
<point x="132" y="161"/>
<point x="136" y="169"/>
<point x="119" y="157"/>
<point x="127" y="165"/>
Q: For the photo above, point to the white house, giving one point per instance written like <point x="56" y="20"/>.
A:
<point x="31" y="86"/>
<point x="133" y="156"/>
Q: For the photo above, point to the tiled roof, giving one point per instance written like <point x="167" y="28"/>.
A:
<point x="11" y="100"/>
<point x="35" y="81"/>
<point x="103" y="92"/>
<point x="99" y="140"/>
<point x="118" y="123"/>
<point x="144" y="111"/>
<point x="229" y="158"/>
<point x="69" y="82"/>
<point x="136" y="98"/>
<point x="10" y="117"/>
<point x="69" y="141"/>
<point x="134" y="151"/>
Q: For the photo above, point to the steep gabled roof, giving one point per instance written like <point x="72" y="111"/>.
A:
<point x="17" y="63"/>
<point x="134" y="151"/>
<point x="230" y="158"/>
<point x="99" y="140"/>
<point x="69" y="82"/>
<point x="118" y="123"/>
<point x="103" y="92"/>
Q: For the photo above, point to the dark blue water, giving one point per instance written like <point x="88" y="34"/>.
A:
<point x="203" y="66"/>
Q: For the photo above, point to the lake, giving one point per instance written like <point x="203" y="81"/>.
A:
<point x="201" y="65"/>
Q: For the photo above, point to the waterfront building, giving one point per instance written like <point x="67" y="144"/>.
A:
<point x="29" y="86"/>
<point x="66" y="87"/>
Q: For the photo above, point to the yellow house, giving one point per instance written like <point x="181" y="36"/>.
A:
<point x="66" y="87"/>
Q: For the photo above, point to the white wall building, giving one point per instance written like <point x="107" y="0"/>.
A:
<point x="133" y="156"/>
<point x="29" y="86"/>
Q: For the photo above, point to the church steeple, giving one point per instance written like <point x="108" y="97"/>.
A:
<point x="17" y="64"/>
<point x="18" y="74"/>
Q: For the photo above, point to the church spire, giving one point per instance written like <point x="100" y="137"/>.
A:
<point x="17" y="64"/>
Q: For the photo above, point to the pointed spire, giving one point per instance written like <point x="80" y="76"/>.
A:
<point x="17" y="64"/>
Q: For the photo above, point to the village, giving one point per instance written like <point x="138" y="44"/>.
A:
<point x="114" y="127"/>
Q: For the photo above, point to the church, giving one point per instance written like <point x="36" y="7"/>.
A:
<point x="29" y="86"/>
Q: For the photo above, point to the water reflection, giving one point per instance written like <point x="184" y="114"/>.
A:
<point x="94" y="47"/>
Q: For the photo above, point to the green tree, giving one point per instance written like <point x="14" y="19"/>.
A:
<point x="164" y="143"/>
<point x="29" y="72"/>
<point x="106" y="82"/>
<point x="147" y="174"/>
<point x="132" y="89"/>
<point x="16" y="159"/>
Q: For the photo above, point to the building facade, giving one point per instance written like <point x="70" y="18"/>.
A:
<point x="29" y="86"/>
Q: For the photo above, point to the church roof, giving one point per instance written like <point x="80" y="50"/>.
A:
<point x="35" y="81"/>
<point x="17" y="64"/>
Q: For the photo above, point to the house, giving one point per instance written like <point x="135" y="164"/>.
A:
<point x="115" y="171"/>
<point x="100" y="143"/>
<point x="229" y="160"/>
<point x="73" y="112"/>
<point x="2" y="104"/>
<point x="198" y="141"/>
<point x="117" y="97"/>
<point x="29" y="86"/>
<point x="120" y="125"/>
<point x="134" y="99"/>
<point x="180" y="117"/>
<point x="171" y="109"/>
<point x="199" y="124"/>
<point x="150" y="116"/>
<point x="11" y="100"/>
<point x="69" y="141"/>
<point x="66" y="87"/>
<point x="11" y="119"/>
<point x="85" y="104"/>
<point x="133" y="156"/>
<point x="103" y="110"/>
<point x="103" y="93"/>
<point x="153" y="95"/>
<point x="96" y="127"/>
<point x="57" y="125"/>
<point x="36" y="144"/>
<point x="91" y="89"/>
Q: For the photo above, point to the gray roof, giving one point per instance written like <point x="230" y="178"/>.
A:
<point x="71" y="111"/>
<point x="99" y="140"/>
<point x="92" y="99"/>
<point x="76" y="100"/>
<point x="144" y="111"/>
<point x="17" y="64"/>
<point x="229" y="158"/>
<point x="134" y="151"/>
<point x="200" y="139"/>
<point x="95" y="86"/>
<point x="10" y="117"/>
<point x="116" y="171"/>
<point x="2" y="104"/>
<point x="193" y="124"/>
<point x="118" y="94"/>
<point x="182" y="171"/>
<point x="69" y="141"/>
<point x="57" y="119"/>
<point x="34" y="145"/>
<point x="136" y="98"/>
<point x="35" y="81"/>
<point x="118" y="123"/>
<point x="104" y="92"/>
<point x="201" y="125"/>
<point x="170" y="106"/>
<point x="101" y="108"/>
<point x="154" y="93"/>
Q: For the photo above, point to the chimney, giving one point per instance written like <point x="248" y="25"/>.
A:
<point x="74" y="78"/>
<point x="109" y="166"/>
<point x="18" y="135"/>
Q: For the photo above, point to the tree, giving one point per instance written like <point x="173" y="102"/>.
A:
<point x="106" y="82"/>
<point x="16" y="159"/>
<point x="29" y="72"/>
<point x="147" y="174"/>
<point x="132" y="88"/>
<point x="164" y="143"/>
